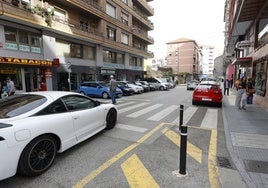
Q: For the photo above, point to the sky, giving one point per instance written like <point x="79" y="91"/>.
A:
<point x="199" y="20"/>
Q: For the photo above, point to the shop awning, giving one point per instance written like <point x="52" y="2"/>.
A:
<point x="243" y="61"/>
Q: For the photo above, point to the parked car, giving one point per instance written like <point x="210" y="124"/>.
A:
<point x="137" y="89"/>
<point x="192" y="84"/>
<point x="35" y="126"/>
<point x="152" y="86"/>
<point x="207" y="92"/>
<point x="125" y="89"/>
<point x="97" y="89"/>
<point x="146" y="88"/>
<point x="159" y="84"/>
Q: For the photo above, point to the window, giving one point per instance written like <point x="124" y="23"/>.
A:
<point x="83" y="25"/>
<point x="22" y="40"/>
<point x="75" y="103"/>
<point x="119" y="58"/>
<point x="10" y="34"/>
<point x="54" y="108"/>
<point x="109" y="56"/>
<point x="124" y="18"/>
<point x="124" y="1"/>
<point x="89" y="52"/>
<point x="124" y="38"/>
<point x="111" y="33"/>
<point x="60" y="14"/>
<point x="76" y="50"/>
<point x="111" y="10"/>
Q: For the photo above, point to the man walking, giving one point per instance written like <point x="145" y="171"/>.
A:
<point x="112" y="88"/>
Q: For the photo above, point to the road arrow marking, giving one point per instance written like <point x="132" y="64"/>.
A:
<point x="136" y="173"/>
<point x="192" y="150"/>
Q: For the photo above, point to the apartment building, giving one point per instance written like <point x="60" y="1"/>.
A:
<point x="207" y="59"/>
<point x="57" y="44"/>
<point x="183" y="56"/>
<point x="246" y="43"/>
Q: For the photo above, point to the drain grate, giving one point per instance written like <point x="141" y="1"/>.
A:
<point x="224" y="162"/>
<point x="256" y="166"/>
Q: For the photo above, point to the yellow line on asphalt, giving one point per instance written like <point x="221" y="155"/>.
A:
<point x="213" y="173"/>
<point x="136" y="173"/>
<point x="192" y="150"/>
<point x="115" y="158"/>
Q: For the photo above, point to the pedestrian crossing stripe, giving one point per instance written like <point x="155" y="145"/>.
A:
<point x="192" y="150"/>
<point x="136" y="173"/>
<point x="145" y="110"/>
<point x="210" y="119"/>
<point x="131" y="107"/>
<point x="160" y="115"/>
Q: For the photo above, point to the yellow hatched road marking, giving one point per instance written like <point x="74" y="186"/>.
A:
<point x="136" y="173"/>
<point x="115" y="158"/>
<point x="213" y="173"/>
<point x="192" y="150"/>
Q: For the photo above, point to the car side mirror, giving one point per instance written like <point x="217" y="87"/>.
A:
<point x="97" y="103"/>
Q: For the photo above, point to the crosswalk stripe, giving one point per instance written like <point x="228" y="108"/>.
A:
<point x="210" y="119"/>
<point x="124" y="104"/>
<point x="136" y="173"/>
<point x="160" y="115"/>
<point x="131" y="107"/>
<point x="144" y="111"/>
<point x="187" y="114"/>
<point x="131" y="128"/>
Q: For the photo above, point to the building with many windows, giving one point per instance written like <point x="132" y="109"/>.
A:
<point x="207" y="60"/>
<point x="183" y="56"/>
<point x="52" y="45"/>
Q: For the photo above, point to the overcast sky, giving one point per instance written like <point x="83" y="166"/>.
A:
<point x="200" y="20"/>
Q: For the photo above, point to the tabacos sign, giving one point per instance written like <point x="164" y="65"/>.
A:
<point x="18" y="61"/>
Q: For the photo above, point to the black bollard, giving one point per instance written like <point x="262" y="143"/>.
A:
<point x="183" y="149"/>
<point x="181" y="116"/>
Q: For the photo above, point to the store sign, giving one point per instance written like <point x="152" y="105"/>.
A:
<point x="243" y="44"/>
<point x="107" y="71"/>
<point x="17" y="61"/>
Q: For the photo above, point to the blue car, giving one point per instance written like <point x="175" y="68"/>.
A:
<point x="97" y="89"/>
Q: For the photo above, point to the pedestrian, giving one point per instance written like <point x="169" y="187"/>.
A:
<point x="10" y="87"/>
<point x="112" y="87"/>
<point x="240" y="101"/>
<point x="226" y="86"/>
<point x="250" y="91"/>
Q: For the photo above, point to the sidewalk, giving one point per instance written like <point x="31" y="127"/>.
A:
<point x="247" y="140"/>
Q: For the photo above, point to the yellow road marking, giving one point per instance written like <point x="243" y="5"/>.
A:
<point x="115" y="158"/>
<point x="192" y="150"/>
<point x="136" y="173"/>
<point x="213" y="173"/>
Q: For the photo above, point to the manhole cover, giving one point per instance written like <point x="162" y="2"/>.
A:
<point x="256" y="166"/>
<point x="224" y="162"/>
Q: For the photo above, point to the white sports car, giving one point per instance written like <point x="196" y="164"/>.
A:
<point x="35" y="126"/>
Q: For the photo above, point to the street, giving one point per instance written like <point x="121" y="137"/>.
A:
<point x="143" y="150"/>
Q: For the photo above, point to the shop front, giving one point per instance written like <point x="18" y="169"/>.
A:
<point x="27" y="74"/>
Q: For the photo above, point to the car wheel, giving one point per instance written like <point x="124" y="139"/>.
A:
<point x="37" y="156"/>
<point x="161" y="88"/>
<point x="193" y="102"/>
<point x="111" y="119"/>
<point x="105" y="95"/>
<point x="82" y="92"/>
<point x="219" y="104"/>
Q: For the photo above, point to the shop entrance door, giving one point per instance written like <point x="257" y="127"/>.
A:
<point x="28" y="82"/>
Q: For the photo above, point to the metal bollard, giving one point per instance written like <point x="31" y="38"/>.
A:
<point x="183" y="149"/>
<point x="181" y="116"/>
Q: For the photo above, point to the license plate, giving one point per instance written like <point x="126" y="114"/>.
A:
<point x="206" y="99"/>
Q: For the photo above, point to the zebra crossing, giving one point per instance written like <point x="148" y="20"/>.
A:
<point x="158" y="112"/>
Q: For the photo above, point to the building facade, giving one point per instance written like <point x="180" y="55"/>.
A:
<point x="207" y="59"/>
<point x="56" y="45"/>
<point x="246" y="43"/>
<point x="183" y="56"/>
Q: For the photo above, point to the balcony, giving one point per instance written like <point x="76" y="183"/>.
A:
<point x="145" y="6"/>
<point x="142" y="35"/>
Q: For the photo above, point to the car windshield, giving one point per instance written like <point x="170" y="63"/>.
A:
<point x="19" y="104"/>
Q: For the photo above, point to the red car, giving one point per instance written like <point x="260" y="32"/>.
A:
<point x="207" y="92"/>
